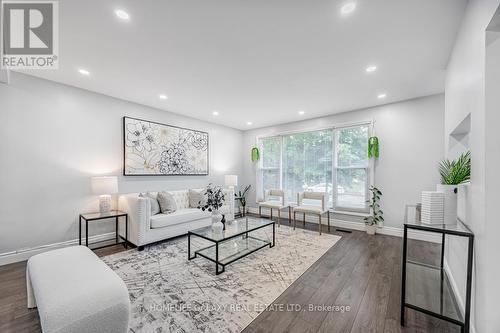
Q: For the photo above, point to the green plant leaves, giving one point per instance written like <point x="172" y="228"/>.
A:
<point x="373" y="147"/>
<point x="255" y="154"/>
<point x="377" y="213"/>
<point x="457" y="171"/>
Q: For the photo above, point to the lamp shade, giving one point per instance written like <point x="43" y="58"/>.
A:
<point x="104" y="185"/>
<point x="231" y="180"/>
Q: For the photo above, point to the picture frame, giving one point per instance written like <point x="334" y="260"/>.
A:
<point x="155" y="149"/>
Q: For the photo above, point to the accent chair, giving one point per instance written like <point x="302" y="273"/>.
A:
<point x="311" y="208"/>
<point x="273" y="204"/>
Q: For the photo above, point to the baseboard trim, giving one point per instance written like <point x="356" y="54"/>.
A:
<point x="25" y="254"/>
<point x="384" y="230"/>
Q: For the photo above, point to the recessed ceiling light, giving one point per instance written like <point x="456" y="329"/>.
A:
<point x="215" y="113"/>
<point x="121" y="14"/>
<point x="301" y="112"/>
<point x="249" y="123"/>
<point x="380" y="96"/>
<point x="162" y="96"/>
<point x="371" y="68"/>
<point x="84" y="72"/>
<point x="348" y="8"/>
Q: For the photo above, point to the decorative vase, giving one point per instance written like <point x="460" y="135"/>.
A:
<point x="371" y="229"/>
<point x="450" y="202"/>
<point x="223" y="221"/>
<point x="217" y="225"/>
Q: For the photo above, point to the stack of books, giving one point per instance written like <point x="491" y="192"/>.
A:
<point x="432" y="207"/>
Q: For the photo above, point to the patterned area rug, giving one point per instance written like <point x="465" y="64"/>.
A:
<point x="171" y="294"/>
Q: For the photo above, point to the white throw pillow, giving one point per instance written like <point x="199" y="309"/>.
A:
<point x="153" y="199"/>
<point x="196" y="198"/>
<point x="167" y="202"/>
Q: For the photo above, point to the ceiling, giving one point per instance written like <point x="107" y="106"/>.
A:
<point x="256" y="61"/>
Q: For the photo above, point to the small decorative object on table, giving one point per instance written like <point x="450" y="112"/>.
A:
<point x="432" y="207"/>
<point x="214" y="200"/>
<point x="104" y="187"/>
<point x="223" y="221"/>
<point x="241" y="196"/>
<point x="377" y="217"/>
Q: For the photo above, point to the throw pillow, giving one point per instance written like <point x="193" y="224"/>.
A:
<point x="196" y="198"/>
<point x="155" y="207"/>
<point x="166" y="202"/>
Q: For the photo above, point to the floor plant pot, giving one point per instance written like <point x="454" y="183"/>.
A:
<point x="450" y="202"/>
<point x="371" y="229"/>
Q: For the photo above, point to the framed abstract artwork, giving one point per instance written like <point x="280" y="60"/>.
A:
<point x="154" y="149"/>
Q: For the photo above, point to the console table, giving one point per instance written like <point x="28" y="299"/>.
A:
<point x="427" y="288"/>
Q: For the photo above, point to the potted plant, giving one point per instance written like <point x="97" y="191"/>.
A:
<point x="452" y="174"/>
<point x="214" y="200"/>
<point x="241" y="197"/>
<point x="376" y="216"/>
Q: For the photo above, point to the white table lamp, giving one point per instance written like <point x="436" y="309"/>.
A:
<point x="231" y="181"/>
<point x="104" y="187"/>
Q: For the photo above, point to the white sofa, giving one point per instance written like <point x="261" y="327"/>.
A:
<point x="145" y="228"/>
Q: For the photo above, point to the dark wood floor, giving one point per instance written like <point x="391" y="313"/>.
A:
<point x="360" y="271"/>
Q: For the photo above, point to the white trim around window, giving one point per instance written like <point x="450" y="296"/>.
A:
<point x="370" y="167"/>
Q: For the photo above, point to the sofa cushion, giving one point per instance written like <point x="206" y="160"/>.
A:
<point x="308" y="209"/>
<point x="196" y="198"/>
<point x="167" y="202"/>
<point x="153" y="199"/>
<point x="181" y="198"/>
<point x="179" y="216"/>
<point x="271" y="204"/>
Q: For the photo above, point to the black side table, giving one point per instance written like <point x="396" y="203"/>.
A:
<point x="89" y="217"/>
<point x="426" y="288"/>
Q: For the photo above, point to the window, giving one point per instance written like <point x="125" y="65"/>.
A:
<point x="351" y="168"/>
<point x="332" y="160"/>
<point x="307" y="163"/>
<point x="271" y="162"/>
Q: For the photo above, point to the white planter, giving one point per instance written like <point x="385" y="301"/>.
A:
<point x="450" y="202"/>
<point x="371" y="229"/>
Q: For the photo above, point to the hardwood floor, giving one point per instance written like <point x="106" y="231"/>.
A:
<point x="360" y="271"/>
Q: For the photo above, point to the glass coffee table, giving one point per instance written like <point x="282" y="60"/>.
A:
<point x="237" y="241"/>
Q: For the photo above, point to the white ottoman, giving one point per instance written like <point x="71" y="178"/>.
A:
<point x="76" y="292"/>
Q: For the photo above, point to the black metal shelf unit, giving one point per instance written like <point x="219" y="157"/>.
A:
<point x="89" y="217"/>
<point x="426" y="288"/>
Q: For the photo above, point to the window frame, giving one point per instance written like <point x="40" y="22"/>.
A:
<point x="369" y="169"/>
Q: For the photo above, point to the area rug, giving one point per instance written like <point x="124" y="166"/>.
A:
<point x="168" y="293"/>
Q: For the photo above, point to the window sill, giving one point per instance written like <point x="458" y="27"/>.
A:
<point x="342" y="212"/>
<point x="345" y="212"/>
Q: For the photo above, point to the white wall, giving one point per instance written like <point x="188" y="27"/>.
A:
<point x="53" y="138"/>
<point x="465" y="93"/>
<point x="410" y="134"/>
